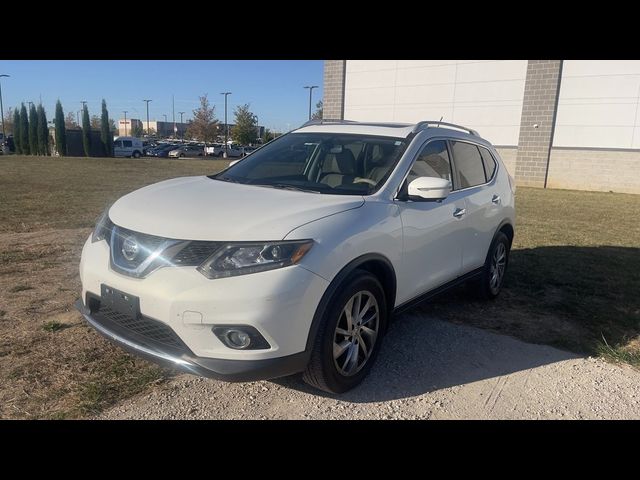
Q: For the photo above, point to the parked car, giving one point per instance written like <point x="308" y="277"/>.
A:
<point x="215" y="149"/>
<point x="162" y="150"/>
<point x="296" y="258"/>
<point x="127" y="147"/>
<point x="247" y="150"/>
<point x="187" y="151"/>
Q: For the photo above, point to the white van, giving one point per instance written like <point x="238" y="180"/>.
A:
<point x="127" y="147"/>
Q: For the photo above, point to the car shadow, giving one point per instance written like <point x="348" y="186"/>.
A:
<point x="560" y="295"/>
<point x="422" y="354"/>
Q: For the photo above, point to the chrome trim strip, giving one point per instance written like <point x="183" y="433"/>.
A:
<point x="135" y="346"/>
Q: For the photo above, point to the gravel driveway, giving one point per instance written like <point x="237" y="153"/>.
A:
<point x="427" y="369"/>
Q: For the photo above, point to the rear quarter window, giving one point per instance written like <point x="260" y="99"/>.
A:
<point x="488" y="161"/>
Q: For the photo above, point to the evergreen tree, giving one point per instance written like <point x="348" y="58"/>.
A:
<point x="24" y="131"/>
<point x="86" y="131"/>
<point x="61" y="133"/>
<point x="33" y="130"/>
<point x="43" y="132"/>
<point x="105" y="134"/>
<point x="16" y="131"/>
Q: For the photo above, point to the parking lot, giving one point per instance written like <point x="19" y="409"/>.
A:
<point x="572" y="284"/>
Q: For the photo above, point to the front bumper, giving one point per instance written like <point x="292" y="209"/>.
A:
<point x="222" y="369"/>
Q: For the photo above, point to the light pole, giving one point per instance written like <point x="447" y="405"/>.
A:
<point x="258" y="128"/>
<point x="147" y="101"/>
<point x="181" y="127"/>
<point x="125" y="122"/>
<point x="226" y="125"/>
<point x="310" y="87"/>
<point x="4" y="136"/>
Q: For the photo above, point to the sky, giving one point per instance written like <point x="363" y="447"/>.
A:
<point x="273" y="88"/>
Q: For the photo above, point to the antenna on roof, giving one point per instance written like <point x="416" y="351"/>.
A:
<point x="440" y="121"/>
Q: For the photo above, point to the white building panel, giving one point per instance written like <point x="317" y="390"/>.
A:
<point x="598" y="104"/>
<point x="484" y="95"/>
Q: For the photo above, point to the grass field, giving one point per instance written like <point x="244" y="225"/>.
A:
<point x="573" y="282"/>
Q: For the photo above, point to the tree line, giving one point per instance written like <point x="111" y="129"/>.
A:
<point x="31" y="130"/>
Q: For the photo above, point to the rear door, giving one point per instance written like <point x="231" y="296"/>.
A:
<point x="482" y="202"/>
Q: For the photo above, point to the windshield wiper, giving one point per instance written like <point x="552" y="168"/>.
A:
<point x="285" y="186"/>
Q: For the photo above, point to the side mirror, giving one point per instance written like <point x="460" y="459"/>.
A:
<point x="429" y="188"/>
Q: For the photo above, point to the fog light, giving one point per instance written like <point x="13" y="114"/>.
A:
<point x="238" y="339"/>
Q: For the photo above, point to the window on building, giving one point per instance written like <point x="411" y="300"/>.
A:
<point x="432" y="161"/>
<point x="489" y="162"/>
<point x="468" y="164"/>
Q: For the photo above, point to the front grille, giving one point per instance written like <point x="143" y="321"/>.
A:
<point x="146" y="327"/>
<point x="195" y="253"/>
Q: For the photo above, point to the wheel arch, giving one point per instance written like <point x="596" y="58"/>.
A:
<point x="506" y="228"/>
<point x="374" y="263"/>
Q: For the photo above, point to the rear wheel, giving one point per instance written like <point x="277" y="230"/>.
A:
<point x="350" y="335"/>
<point x="490" y="283"/>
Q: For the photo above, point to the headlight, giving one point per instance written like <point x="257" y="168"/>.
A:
<point x="243" y="258"/>
<point x="103" y="227"/>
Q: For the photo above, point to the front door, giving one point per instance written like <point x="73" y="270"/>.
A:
<point x="432" y="231"/>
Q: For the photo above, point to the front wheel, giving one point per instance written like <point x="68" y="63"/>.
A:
<point x="350" y="335"/>
<point x="136" y="154"/>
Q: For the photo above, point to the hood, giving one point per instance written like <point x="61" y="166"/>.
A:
<point x="199" y="208"/>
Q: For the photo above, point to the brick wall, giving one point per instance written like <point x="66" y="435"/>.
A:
<point x="508" y="156"/>
<point x="597" y="170"/>
<point x="538" y="108"/>
<point x="333" y="101"/>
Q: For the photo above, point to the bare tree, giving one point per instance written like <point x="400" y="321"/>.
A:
<point x="95" y="122"/>
<point x="70" y="120"/>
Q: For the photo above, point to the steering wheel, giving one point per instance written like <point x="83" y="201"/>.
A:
<point x="365" y="180"/>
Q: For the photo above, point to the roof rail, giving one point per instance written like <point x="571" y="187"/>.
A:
<point x="325" y="121"/>
<point x="435" y="123"/>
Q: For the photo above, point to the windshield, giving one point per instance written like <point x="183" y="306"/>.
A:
<point x="343" y="164"/>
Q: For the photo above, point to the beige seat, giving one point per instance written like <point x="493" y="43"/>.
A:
<point x="339" y="168"/>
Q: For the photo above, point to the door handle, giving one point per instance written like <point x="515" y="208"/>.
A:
<point x="459" y="212"/>
<point x="495" y="199"/>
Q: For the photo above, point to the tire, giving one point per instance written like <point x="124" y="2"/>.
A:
<point x="339" y="374"/>
<point x="488" y="288"/>
<point x="136" y="154"/>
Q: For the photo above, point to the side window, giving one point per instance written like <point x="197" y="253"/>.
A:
<point x="489" y="162"/>
<point x="468" y="164"/>
<point x="127" y="143"/>
<point x="117" y="143"/>
<point x="432" y="161"/>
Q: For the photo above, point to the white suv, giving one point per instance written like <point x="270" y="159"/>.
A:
<point x="296" y="258"/>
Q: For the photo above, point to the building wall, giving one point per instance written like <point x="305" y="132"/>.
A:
<point x="332" y="105"/>
<point x="484" y="95"/>
<point x="508" y="156"/>
<point x="537" y="122"/>
<point x="594" y="169"/>
<point x="598" y="104"/>
<point x="587" y="112"/>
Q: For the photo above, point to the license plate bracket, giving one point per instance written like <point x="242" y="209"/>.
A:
<point x="120" y="301"/>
